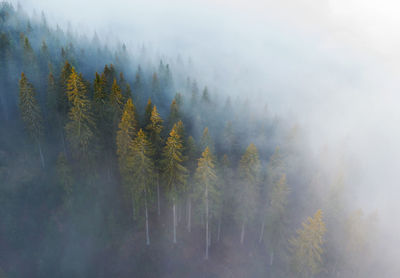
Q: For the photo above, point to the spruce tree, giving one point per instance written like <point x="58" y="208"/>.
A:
<point x="142" y="166"/>
<point x="249" y="174"/>
<point x="207" y="192"/>
<point x="307" y="246"/>
<point x="31" y="114"/>
<point x="175" y="173"/>
<point x="80" y="126"/>
<point x="154" y="129"/>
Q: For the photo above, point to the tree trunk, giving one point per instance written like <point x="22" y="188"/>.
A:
<point x="189" y="224"/>
<point x="242" y="234"/>
<point x="174" y="220"/>
<point x="219" y="229"/>
<point x="133" y="207"/>
<point x="158" y="196"/>
<point x="147" y="220"/>
<point x="207" y="242"/>
<point x="41" y="154"/>
<point x="262" y="231"/>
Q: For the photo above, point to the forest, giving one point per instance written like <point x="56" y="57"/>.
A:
<point x="121" y="163"/>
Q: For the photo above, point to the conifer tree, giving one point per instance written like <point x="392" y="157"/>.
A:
<point x="206" y="141"/>
<point x="175" y="173"/>
<point x="174" y="115"/>
<point x="62" y="98"/>
<point x="276" y="218"/>
<point x="80" y="126"/>
<point x="127" y="129"/>
<point x="249" y="173"/>
<point x="154" y="129"/>
<point x="147" y="113"/>
<point x="30" y="113"/>
<point x="51" y="102"/>
<point x="208" y="194"/>
<point x="307" y="247"/>
<point x="142" y="167"/>
<point x="191" y="153"/>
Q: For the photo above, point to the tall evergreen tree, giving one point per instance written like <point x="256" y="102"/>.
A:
<point x="206" y="178"/>
<point x="307" y="246"/>
<point x="154" y="129"/>
<point x="31" y="114"/>
<point x="142" y="167"/>
<point x="175" y="173"/>
<point x="249" y="173"/>
<point x="80" y="126"/>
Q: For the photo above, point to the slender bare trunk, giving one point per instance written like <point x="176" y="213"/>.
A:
<point x="133" y="207"/>
<point x="207" y="241"/>
<point x="158" y="196"/>
<point x="147" y="220"/>
<point x="262" y="231"/>
<point x="179" y="211"/>
<point x="189" y="224"/>
<point x="219" y="229"/>
<point x="174" y="220"/>
<point x="209" y="234"/>
<point x="242" y="234"/>
<point x="41" y="154"/>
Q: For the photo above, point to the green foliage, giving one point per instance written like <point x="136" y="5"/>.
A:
<point x="30" y="110"/>
<point x="307" y="247"/>
<point x="80" y="126"/>
<point x="174" y="172"/>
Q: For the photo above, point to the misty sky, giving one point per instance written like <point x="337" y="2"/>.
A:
<point x="331" y="66"/>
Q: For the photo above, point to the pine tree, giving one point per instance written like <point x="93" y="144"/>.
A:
<point x="206" y="179"/>
<point x="147" y="113"/>
<point x="249" y="173"/>
<point x="99" y="85"/>
<point x="80" y="126"/>
<point x="206" y="141"/>
<point x="174" y="115"/>
<point x="142" y="167"/>
<point x="191" y="153"/>
<point x="307" y="247"/>
<point x="127" y="129"/>
<point x="30" y="113"/>
<point x="175" y="173"/>
<point x="154" y="129"/>
<point x="276" y="218"/>
<point x="63" y="105"/>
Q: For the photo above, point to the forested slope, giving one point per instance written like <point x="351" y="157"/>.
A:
<point x="112" y="165"/>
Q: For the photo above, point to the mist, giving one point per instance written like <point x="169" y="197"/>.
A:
<point x="328" y="67"/>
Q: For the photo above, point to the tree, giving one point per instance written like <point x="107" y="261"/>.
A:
<point x="276" y="218"/>
<point x="249" y="173"/>
<point x="191" y="153"/>
<point x="174" y="115"/>
<point x="175" y="173"/>
<point x="127" y="129"/>
<point x="275" y="171"/>
<point x="206" y="179"/>
<point x="154" y="129"/>
<point x="80" y="127"/>
<point x="307" y="248"/>
<point x="142" y="167"/>
<point x="147" y="113"/>
<point x="63" y="105"/>
<point x="30" y="113"/>
<point x="206" y="141"/>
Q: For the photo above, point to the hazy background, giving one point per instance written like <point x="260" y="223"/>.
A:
<point x="329" y="66"/>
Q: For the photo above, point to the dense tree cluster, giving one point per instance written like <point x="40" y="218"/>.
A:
<point x="130" y="161"/>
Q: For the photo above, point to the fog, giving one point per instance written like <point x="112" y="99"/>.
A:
<point x="329" y="66"/>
